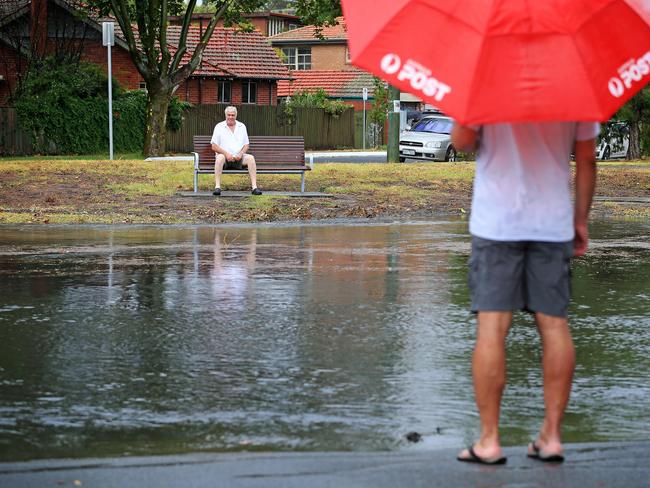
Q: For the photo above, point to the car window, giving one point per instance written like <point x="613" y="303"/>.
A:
<point x="436" y="126"/>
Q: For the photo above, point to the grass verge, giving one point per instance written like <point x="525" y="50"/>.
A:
<point x="59" y="190"/>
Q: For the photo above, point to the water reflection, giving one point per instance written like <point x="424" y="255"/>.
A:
<point x="121" y="340"/>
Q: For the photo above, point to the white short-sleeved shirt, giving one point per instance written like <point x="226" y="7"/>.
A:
<point x="233" y="142"/>
<point x="522" y="184"/>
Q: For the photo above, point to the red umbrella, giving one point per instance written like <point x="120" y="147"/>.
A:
<point x="484" y="61"/>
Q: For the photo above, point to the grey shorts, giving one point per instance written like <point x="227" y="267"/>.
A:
<point x="520" y="275"/>
<point x="233" y="165"/>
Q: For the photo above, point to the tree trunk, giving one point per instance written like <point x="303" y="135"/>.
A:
<point x="156" y="123"/>
<point x="634" y="151"/>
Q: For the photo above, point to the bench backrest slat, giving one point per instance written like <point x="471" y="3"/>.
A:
<point x="276" y="151"/>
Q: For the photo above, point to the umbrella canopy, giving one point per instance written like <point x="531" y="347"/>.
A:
<point x="487" y="61"/>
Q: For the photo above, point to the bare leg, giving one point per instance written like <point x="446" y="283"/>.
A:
<point x="489" y="371"/>
<point x="249" y="162"/>
<point x="558" y="363"/>
<point x="219" y="161"/>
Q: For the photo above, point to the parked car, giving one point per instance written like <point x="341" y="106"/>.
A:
<point x="414" y="116"/>
<point x="614" y="141"/>
<point x="429" y="140"/>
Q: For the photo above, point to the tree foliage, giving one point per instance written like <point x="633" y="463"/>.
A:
<point x="379" y="110"/>
<point x="64" y="106"/>
<point x="636" y="113"/>
<point x="144" y="25"/>
<point x="279" y="5"/>
<point x="318" y="12"/>
<point x="380" y="104"/>
<point x="315" y="99"/>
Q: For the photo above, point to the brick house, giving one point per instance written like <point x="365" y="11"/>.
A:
<point x="236" y="67"/>
<point x="47" y="26"/>
<point x="304" y="50"/>
<point x="322" y="63"/>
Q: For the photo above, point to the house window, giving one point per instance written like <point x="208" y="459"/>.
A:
<point x="249" y="92"/>
<point x="142" y="86"/>
<point x="223" y="91"/>
<point x="298" y="58"/>
<point x="276" y="26"/>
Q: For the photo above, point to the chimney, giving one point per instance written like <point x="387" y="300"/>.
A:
<point x="38" y="27"/>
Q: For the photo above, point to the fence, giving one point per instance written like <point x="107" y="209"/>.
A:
<point x="13" y="140"/>
<point x="320" y="130"/>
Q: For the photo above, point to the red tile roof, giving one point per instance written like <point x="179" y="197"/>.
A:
<point x="337" y="84"/>
<point x="337" y="32"/>
<point x="229" y="53"/>
<point x="233" y="53"/>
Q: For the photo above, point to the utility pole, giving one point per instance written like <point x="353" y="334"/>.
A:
<point x="393" y="125"/>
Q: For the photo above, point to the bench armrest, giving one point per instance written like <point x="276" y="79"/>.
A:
<point x="196" y="160"/>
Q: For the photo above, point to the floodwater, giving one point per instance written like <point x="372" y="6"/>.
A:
<point x="344" y="336"/>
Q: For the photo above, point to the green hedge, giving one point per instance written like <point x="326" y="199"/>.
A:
<point x="65" y="108"/>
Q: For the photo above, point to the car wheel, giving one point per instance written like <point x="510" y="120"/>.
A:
<point x="606" y="153"/>
<point x="451" y="154"/>
<point x="401" y="160"/>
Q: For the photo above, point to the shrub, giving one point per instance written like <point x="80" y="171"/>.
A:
<point x="315" y="99"/>
<point x="65" y="107"/>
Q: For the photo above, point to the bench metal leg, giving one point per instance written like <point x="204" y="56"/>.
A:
<point x="196" y="182"/>
<point x="302" y="183"/>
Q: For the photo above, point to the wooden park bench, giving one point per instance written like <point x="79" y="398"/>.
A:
<point x="273" y="154"/>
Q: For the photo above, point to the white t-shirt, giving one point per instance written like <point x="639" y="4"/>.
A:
<point x="522" y="184"/>
<point x="233" y="142"/>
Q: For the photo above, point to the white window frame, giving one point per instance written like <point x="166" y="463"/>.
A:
<point x="297" y="60"/>
<point x="275" y="26"/>
<point x="246" y="92"/>
<point x="220" y="85"/>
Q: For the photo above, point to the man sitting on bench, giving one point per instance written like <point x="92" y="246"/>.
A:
<point x="230" y="143"/>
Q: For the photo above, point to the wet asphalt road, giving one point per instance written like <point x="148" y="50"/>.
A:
<point x="587" y="465"/>
<point x="347" y="156"/>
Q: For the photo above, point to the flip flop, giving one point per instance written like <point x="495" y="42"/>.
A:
<point x="535" y="452"/>
<point x="474" y="458"/>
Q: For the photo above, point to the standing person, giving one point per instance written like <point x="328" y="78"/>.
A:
<point x="230" y="143"/>
<point x="524" y="232"/>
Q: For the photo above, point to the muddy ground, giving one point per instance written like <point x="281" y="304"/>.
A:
<point x="74" y="197"/>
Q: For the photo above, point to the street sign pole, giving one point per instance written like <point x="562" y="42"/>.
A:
<point x="108" y="36"/>
<point x="365" y="98"/>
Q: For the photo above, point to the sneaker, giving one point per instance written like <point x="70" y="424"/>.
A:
<point x="256" y="191"/>
<point x="216" y="192"/>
